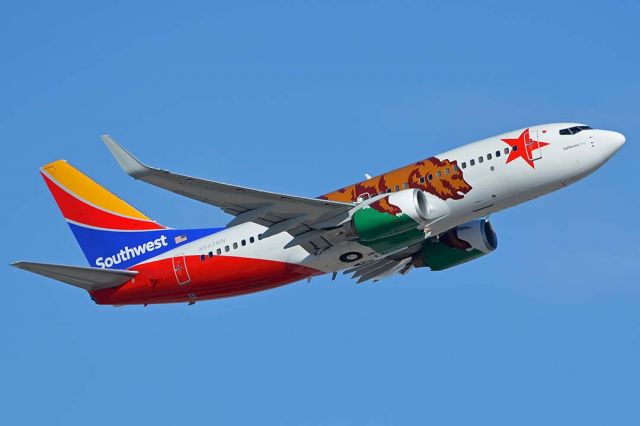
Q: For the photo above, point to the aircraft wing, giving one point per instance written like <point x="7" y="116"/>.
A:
<point x="85" y="277"/>
<point x="395" y="263"/>
<point x="280" y="212"/>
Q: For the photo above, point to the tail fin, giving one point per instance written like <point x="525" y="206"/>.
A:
<point x="110" y="232"/>
<point x="101" y="222"/>
<point x="84" y="202"/>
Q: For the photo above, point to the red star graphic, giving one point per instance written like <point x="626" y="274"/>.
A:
<point x="524" y="148"/>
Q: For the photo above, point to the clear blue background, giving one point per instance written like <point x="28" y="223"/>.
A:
<point x="304" y="97"/>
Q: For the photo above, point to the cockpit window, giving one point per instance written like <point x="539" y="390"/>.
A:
<point x="574" y="130"/>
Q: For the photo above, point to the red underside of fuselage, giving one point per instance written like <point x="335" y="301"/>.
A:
<point x="213" y="278"/>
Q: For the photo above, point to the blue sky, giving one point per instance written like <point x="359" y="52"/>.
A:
<point x="304" y="97"/>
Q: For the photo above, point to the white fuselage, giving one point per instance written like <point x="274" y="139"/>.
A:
<point x="497" y="184"/>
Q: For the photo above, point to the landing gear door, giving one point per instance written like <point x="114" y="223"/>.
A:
<point x="533" y="146"/>
<point x="180" y="269"/>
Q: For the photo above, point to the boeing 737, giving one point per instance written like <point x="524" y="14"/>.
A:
<point x="431" y="213"/>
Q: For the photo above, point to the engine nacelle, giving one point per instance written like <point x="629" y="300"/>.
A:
<point x="394" y="220"/>
<point x="458" y="245"/>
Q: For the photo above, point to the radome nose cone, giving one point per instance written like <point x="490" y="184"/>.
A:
<point x="611" y="142"/>
<point x="618" y="139"/>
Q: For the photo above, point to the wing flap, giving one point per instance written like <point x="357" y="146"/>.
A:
<point x="88" y="278"/>
<point x="375" y="270"/>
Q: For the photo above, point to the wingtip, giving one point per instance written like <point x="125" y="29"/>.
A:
<point x="129" y="163"/>
<point x="21" y="264"/>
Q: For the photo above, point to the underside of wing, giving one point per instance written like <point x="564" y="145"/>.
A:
<point x="379" y="269"/>
<point x="400" y="262"/>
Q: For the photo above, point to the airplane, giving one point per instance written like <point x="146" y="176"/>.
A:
<point x="429" y="214"/>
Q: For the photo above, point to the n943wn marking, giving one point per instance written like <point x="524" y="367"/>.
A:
<point x="430" y="213"/>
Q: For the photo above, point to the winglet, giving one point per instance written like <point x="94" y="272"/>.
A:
<point x="129" y="163"/>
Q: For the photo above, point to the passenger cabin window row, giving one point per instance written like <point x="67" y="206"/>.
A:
<point x="439" y="173"/>
<point x="490" y="156"/>
<point x="574" y="130"/>
<point x="228" y="248"/>
<point x="447" y="171"/>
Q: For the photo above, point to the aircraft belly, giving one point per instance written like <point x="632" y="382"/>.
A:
<point x="212" y="278"/>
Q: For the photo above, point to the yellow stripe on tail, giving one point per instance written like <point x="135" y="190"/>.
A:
<point x="74" y="181"/>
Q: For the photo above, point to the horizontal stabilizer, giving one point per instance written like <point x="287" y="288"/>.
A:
<point x="88" y="278"/>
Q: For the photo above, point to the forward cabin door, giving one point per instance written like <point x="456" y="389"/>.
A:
<point x="533" y="146"/>
<point x="180" y="269"/>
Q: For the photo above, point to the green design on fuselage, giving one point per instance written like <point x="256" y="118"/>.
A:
<point x="385" y="232"/>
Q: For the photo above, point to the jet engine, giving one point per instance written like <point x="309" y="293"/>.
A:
<point x="394" y="220"/>
<point x="456" y="246"/>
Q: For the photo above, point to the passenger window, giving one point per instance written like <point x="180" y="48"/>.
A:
<point x="497" y="153"/>
<point x="235" y="246"/>
<point x="244" y="243"/>
<point x="226" y="249"/>
<point x="429" y="176"/>
<point x="388" y="190"/>
<point x="202" y="257"/>
<point x="506" y="151"/>
<point x="472" y="162"/>
<point x="455" y="168"/>
<point x="251" y="240"/>
<point x="489" y="157"/>
<point x="397" y="188"/>
<point x="438" y="173"/>
<point x="405" y="185"/>
<point x="421" y="179"/>
<point x="446" y="171"/>
<point x="219" y="251"/>
<point x="514" y="148"/>
<point x="464" y="165"/>
<point x="480" y="159"/>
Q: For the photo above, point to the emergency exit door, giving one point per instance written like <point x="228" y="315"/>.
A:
<point x="180" y="269"/>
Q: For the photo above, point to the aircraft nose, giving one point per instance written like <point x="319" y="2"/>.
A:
<point x="613" y="141"/>
<point x="617" y="139"/>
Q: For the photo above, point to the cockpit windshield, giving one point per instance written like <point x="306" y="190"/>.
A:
<point x="574" y="130"/>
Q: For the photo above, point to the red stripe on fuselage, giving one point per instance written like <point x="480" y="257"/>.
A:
<point x="79" y="211"/>
<point x="213" y="278"/>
